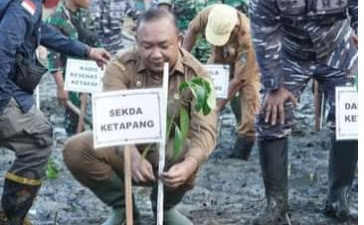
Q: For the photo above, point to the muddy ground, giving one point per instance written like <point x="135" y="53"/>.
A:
<point x="228" y="191"/>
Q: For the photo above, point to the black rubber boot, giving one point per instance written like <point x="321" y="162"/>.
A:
<point x="273" y="161"/>
<point x="342" y="165"/>
<point x="242" y="148"/>
<point x="16" y="201"/>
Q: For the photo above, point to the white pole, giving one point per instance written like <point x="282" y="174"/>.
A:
<point x="162" y="145"/>
<point x="37" y="97"/>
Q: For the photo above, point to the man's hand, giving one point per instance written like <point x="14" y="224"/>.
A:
<point x="141" y="169"/>
<point x="179" y="173"/>
<point x="62" y="96"/>
<point x="273" y="105"/>
<point x="355" y="39"/>
<point x="100" y="55"/>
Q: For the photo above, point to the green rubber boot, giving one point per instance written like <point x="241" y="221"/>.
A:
<point x="173" y="217"/>
<point x="111" y="192"/>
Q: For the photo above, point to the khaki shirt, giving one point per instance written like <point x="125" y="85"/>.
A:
<point x="127" y="71"/>
<point x="239" y="52"/>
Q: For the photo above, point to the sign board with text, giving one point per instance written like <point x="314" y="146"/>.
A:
<point x="346" y="113"/>
<point x="83" y="76"/>
<point x="220" y="75"/>
<point x="127" y="117"/>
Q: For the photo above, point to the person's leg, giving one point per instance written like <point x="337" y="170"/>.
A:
<point x="343" y="154"/>
<point x="101" y="170"/>
<point x="272" y="145"/>
<point x="245" y="107"/>
<point x="29" y="135"/>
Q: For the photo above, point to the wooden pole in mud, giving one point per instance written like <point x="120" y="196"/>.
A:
<point x="128" y="185"/>
<point x="81" y="117"/>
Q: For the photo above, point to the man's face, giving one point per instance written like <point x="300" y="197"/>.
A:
<point x="83" y="3"/>
<point x="158" y="42"/>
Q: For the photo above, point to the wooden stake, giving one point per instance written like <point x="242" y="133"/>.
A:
<point x="81" y="117"/>
<point x="128" y="185"/>
<point x="77" y="111"/>
<point x="162" y="145"/>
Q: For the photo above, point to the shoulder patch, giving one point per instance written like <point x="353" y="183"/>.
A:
<point x="29" y="6"/>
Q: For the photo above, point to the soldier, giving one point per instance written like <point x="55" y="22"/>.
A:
<point x="228" y="31"/>
<point x="184" y="10"/>
<point x="72" y="19"/>
<point x="108" y="18"/>
<point x="101" y="170"/>
<point x="23" y="128"/>
<point x="300" y="41"/>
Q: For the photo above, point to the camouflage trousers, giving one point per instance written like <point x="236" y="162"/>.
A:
<point x="29" y="135"/>
<point x="297" y="74"/>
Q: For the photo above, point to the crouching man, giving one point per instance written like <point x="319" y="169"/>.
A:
<point x="101" y="170"/>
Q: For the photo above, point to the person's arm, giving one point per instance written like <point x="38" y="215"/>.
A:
<point x="116" y="78"/>
<point x="202" y="133"/>
<point x="196" y="26"/>
<point x="14" y="25"/>
<point x="53" y="39"/>
<point x="266" y="33"/>
<point x="244" y="71"/>
<point x="234" y="85"/>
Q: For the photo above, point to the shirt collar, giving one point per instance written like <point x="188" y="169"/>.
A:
<point x="178" y="67"/>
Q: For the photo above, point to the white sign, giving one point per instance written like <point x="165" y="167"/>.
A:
<point x="83" y="76"/>
<point x="346" y="113"/>
<point x="220" y="75"/>
<point x="127" y="117"/>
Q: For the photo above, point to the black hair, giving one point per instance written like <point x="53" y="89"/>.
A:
<point x="154" y="14"/>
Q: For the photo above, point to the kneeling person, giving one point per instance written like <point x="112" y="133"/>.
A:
<point x="101" y="170"/>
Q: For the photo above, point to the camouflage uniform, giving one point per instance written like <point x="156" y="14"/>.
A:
<point x="61" y="19"/>
<point x="296" y="41"/>
<point x="109" y="17"/>
<point x="306" y="52"/>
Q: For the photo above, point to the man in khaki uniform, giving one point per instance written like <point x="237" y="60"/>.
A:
<point x="228" y="31"/>
<point x="101" y="170"/>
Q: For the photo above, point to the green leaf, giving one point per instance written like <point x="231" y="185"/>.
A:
<point x="201" y="96"/>
<point x="183" y="86"/>
<point x="177" y="143"/>
<point x="206" y="109"/>
<point x="184" y="122"/>
<point x="211" y="98"/>
<point x="52" y="169"/>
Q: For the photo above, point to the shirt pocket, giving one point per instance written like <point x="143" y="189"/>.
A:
<point x="323" y="7"/>
<point x="292" y="7"/>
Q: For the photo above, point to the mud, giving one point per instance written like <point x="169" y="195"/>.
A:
<point x="228" y="191"/>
